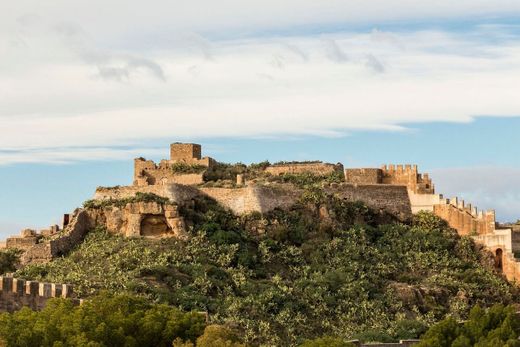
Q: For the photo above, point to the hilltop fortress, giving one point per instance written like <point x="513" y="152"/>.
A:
<point x="128" y="210"/>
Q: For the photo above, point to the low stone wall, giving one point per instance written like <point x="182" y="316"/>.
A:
<point x="19" y="242"/>
<point x="390" y="198"/>
<point x="177" y="193"/>
<point x="402" y="343"/>
<point x="17" y="293"/>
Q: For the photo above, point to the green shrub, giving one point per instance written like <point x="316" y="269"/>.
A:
<point x="326" y="342"/>
<point x="282" y="277"/>
<point x="104" y="320"/>
<point x="139" y="197"/>
<point x="496" y="326"/>
<point x="184" y="168"/>
<point x="9" y="260"/>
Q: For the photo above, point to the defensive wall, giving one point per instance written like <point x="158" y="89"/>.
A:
<point x="390" y="198"/>
<point x="465" y="218"/>
<point x="17" y="293"/>
<point x="318" y="168"/>
<point x="402" y="175"/>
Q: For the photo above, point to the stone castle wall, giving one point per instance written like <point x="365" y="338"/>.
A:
<point x="254" y="198"/>
<point x="409" y="176"/>
<point x="364" y="176"/>
<point x="464" y="218"/>
<point x="17" y="293"/>
<point x="177" y="193"/>
<point x="317" y="168"/>
<point x="390" y="198"/>
<point x="146" y="172"/>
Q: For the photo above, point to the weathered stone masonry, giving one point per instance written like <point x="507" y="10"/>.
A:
<point x="16" y="293"/>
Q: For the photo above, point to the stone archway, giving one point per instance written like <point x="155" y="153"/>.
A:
<point x="499" y="264"/>
<point x="154" y="226"/>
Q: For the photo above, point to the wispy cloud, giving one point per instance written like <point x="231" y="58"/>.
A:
<point x="70" y="87"/>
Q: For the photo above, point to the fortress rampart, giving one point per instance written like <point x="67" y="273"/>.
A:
<point x="16" y="293"/>
<point x="466" y="218"/>
<point x="318" y="168"/>
<point x="402" y="175"/>
<point x="390" y="198"/>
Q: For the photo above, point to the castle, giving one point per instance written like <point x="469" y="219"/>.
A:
<point x="397" y="189"/>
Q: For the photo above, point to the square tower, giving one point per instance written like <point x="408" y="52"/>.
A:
<point x="185" y="151"/>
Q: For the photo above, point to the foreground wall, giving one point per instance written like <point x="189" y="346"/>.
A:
<point x="17" y="293"/>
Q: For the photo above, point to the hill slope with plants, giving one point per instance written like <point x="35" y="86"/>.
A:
<point x="327" y="267"/>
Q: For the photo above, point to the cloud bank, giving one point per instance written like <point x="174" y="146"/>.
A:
<point x="136" y="72"/>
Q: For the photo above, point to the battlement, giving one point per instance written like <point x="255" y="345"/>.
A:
<point x="408" y="175"/>
<point x="403" y="175"/>
<point x="466" y="218"/>
<point x="16" y="293"/>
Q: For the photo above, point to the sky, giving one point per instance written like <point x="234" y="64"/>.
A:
<point x="86" y="86"/>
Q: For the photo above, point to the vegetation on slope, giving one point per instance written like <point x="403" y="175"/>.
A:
<point x="107" y="320"/>
<point x="497" y="326"/>
<point x="327" y="267"/>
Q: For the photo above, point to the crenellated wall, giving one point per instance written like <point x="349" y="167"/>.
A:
<point x="409" y="176"/>
<point x="17" y="293"/>
<point x="465" y="218"/>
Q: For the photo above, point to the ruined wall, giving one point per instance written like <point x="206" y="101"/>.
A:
<point x="364" y="176"/>
<point x="17" y="293"/>
<point x="393" y="199"/>
<point x="317" y="168"/>
<point x="408" y="175"/>
<point x="464" y="218"/>
<point x="146" y="172"/>
<point x="20" y="242"/>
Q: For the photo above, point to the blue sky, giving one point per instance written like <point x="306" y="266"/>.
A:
<point x="85" y="87"/>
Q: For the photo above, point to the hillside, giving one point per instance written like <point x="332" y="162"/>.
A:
<point x="325" y="267"/>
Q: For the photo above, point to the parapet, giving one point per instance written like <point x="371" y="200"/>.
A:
<point x="16" y="293"/>
<point x="466" y="218"/>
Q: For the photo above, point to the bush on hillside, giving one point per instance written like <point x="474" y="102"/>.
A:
<point x="494" y="327"/>
<point x="9" y="260"/>
<point x="288" y="276"/>
<point x="104" y="320"/>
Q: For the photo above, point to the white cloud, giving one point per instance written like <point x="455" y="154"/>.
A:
<point x="485" y="187"/>
<point x="100" y="83"/>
